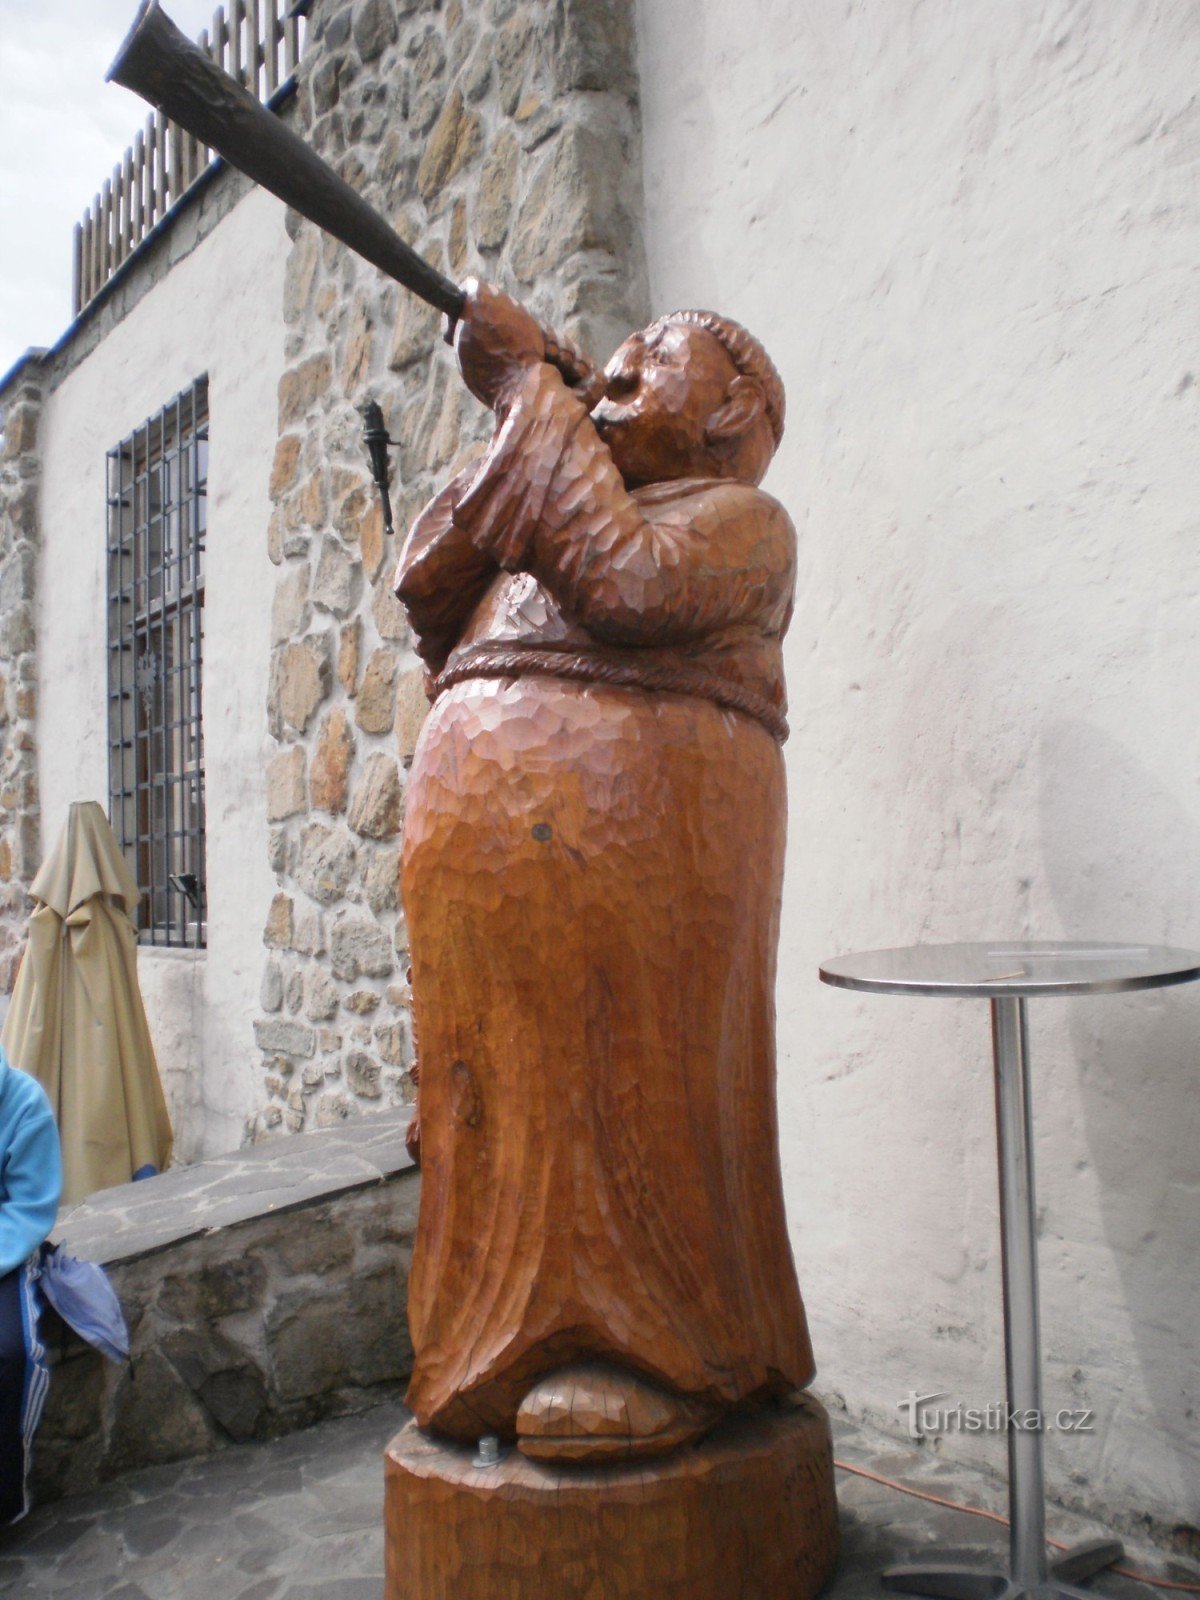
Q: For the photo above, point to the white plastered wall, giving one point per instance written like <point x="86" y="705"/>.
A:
<point x="217" y="311"/>
<point x="969" y="234"/>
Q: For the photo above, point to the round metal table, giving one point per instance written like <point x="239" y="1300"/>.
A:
<point x="1008" y="974"/>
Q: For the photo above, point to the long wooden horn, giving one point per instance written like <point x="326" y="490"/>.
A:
<point x="162" y="65"/>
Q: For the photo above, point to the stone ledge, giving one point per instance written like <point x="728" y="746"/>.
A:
<point x="264" y="1290"/>
<point x="137" y="1219"/>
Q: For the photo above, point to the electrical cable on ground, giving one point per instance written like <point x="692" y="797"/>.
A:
<point x="994" y="1516"/>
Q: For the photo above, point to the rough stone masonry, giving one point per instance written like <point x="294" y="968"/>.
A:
<point x="501" y="139"/>
<point x="20" y="830"/>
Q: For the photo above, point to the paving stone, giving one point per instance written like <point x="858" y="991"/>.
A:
<point x="261" y="1589"/>
<point x="263" y="1553"/>
<point x="283" y="1477"/>
<point x="349" y="1518"/>
<point x="149" y="1534"/>
<point x="338" y="1589"/>
<point x="52" y="1539"/>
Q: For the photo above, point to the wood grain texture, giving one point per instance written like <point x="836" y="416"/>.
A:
<point x="749" y="1514"/>
<point x="592" y="865"/>
<point x="593" y="932"/>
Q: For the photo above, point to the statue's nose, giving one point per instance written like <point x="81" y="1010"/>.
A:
<point x="621" y="383"/>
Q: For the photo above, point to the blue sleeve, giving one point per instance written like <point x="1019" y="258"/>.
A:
<point x="30" y="1180"/>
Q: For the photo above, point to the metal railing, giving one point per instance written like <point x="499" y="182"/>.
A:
<point x="256" y="41"/>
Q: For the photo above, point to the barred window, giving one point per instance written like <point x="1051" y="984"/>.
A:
<point x="157" y="520"/>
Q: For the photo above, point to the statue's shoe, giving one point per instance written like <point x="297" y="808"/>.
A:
<point x="595" y="1412"/>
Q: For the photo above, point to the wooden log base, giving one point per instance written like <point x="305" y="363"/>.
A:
<point x="749" y="1512"/>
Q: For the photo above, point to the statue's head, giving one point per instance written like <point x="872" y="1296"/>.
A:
<point x="692" y="395"/>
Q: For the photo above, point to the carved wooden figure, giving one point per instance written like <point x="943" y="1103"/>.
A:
<point x="592" y="865"/>
<point x="591" y="873"/>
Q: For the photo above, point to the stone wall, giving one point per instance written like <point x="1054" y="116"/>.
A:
<point x="20" y="831"/>
<point x="501" y="139"/>
<point x="263" y="1290"/>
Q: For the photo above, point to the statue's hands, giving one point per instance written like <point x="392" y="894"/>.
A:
<point x="581" y="374"/>
<point x="496" y="341"/>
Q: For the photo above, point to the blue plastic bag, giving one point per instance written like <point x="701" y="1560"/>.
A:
<point x="83" y="1297"/>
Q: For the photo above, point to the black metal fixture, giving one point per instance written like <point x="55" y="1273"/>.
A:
<point x="375" y="437"/>
<point x="188" y="885"/>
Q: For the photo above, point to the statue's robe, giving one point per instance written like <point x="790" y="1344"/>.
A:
<point x="591" y="880"/>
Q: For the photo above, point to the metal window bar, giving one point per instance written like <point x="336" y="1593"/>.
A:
<point x="157" y="486"/>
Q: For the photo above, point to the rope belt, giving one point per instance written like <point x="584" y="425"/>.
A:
<point x="500" y="661"/>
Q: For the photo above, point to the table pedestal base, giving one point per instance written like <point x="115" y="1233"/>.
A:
<point x="950" y="1582"/>
<point x="749" y="1510"/>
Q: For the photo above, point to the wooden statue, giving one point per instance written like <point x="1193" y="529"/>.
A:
<point x="592" y="866"/>
<point x="592" y="859"/>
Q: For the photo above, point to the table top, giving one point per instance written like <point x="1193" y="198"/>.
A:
<point x="1013" y="967"/>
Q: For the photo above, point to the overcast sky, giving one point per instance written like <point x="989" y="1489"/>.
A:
<point x="62" y="129"/>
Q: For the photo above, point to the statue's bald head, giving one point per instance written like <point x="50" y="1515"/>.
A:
<point x="747" y="355"/>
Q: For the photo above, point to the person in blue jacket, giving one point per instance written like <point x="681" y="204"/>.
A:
<point x="30" y="1184"/>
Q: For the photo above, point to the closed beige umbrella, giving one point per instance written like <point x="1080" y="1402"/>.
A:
<point x="76" y="1021"/>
